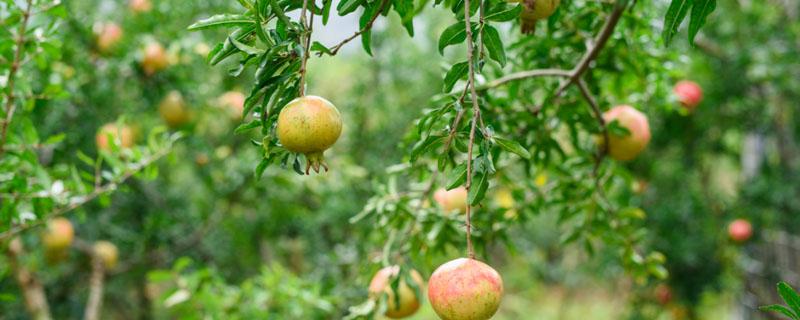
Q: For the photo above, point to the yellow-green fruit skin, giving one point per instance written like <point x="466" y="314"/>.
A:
<point x="107" y="252"/>
<point x="625" y="148"/>
<point x="59" y="234"/>
<point x="309" y="125"/>
<point x="534" y="10"/>
<point x="409" y="302"/>
<point x="173" y="109"/>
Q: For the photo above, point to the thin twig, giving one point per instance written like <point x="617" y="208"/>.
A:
<point x="95" y="302"/>
<point x="335" y="49"/>
<point x="10" y="105"/>
<point x="476" y="113"/>
<point x="524" y="75"/>
<point x="602" y="152"/>
<point x="308" y="26"/>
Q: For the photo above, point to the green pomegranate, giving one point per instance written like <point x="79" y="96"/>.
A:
<point x="534" y="10"/>
<point x="309" y="125"/>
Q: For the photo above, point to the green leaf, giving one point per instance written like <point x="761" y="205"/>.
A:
<point x="781" y="309"/>
<point x="457" y="72"/>
<point x="457" y="176"/>
<point x="246" y="48"/>
<point x="675" y="15"/>
<point x="506" y="15"/>
<point x="424" y="145"/>
<point x="789" y="296"/>
<point x="491" y="39"/>
<point x="513" y="147"/>
<point x="319" y="47"/>
<point x="348" y="6"/>
<point x="222" y="20"/>
<point x="454" y="34"/>
<point x="326" y="10"/>
<point x="700" y="11"/>
<point x="261" y="167"/>
<point x="247" y="126"/>
<point x="478" y="191"/>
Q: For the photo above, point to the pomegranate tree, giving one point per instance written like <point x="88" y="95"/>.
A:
<point x="173" y="109"/>
<point x="309" y="125"/>
<point x="740" y="230"/>
<point x="452" y="200"/>
<point x="465" y="289"/>
<point x="122" y="136"/>
<point x="154" y="58"/>
<point x="107" y="252"/>
<point x="58" y="235"/>
<point x="624" y="148"/>
<point x="402" y="303"/>
<point x="688" y="93"/>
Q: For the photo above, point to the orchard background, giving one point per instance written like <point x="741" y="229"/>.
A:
<point x="144" y="173"/>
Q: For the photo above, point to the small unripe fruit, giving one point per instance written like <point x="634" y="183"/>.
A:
<point x="59" y="234"/>
<point x="138" y="6"/>
<point x="233" y="103"/>
<point x="740" y="230"/>
<point x="452" y="200"/>
<point x="689" y="94"/>
<point x="663" y="294"/>
<point x="309" y="125"/>
<point x="408" y="300"/>
<point x="108" y="35"/>
<point x="173" y="109"/>
<point x="465" y="289"/>
<point x="624" y="148"/>
<point x="122" y="135"/>
<point x="535" y="10"/>
<point x="107" y="252"/>
<point x="154" y="59"/>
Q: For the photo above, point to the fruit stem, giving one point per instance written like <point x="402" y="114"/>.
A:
<point x="476" y="113"/>
<point x="308" y="24"/>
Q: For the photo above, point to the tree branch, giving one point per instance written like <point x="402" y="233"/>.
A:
<point x="32" y="289"/>
<point x="15" y="65"/>
<point x="95" y="303"/>
<point x="335" y="49"/>
<point x="525" y="75"/>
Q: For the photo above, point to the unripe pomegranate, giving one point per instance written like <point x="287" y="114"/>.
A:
<point x="138" y="6"/>
<point x="740" y="230"/>
<point x="663" y="294"/>
<point x="465" y="289"/>
<point x="233" y="103"/>
<point x="59" y="234"/>
<point x="624" y="148"/>
<point x="106" y="252"/>
<point x="155" y="58"/>
<point x="534" y="10"/>
<point x="122" y="135"/>
<point x="173" y="109"/>
<point x="309" y="125"/>
<point x="108" y="35"/>
<point x="689" y="93"/>
<point x="452" y="200"/>
<point x="408" y="300"/>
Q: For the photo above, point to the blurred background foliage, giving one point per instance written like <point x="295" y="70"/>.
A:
<point x="201" y="236"/>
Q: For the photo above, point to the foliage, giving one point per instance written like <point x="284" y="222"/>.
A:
<point x="791" y="298"/>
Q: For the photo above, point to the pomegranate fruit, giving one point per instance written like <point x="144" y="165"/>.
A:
<point x="405" y="295"/>
<point x="465" y="289"/>
<point x="138" y="6"/>
<point x="154" y="59"/>
<point x="59" y="234"/>
<point x="122" y="135"/>
<point x="173" y="109"/>
<point x="108" y="35"/>
<point x="107" y="252"/>
<point x="233" y="103"/>
<point x="309" y="125"/>
<point x="452" y="200"/>
<point x="624" y="148"/>
<point x="740" y="230"/>
<point x="689" y="94"/>
<point x="663" y="294"/>
<point x="535" y="10"/>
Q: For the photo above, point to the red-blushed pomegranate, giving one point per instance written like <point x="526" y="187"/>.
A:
<point x="106" y="252"/>
<point x="624" y="148"/>
<point x="233" y="103"/>
<point x="465" y="289"/>
<point x="740" y="230"/>
<point x="309" y="125"/>
<point x="689" y="94"/>
<point x="123" y="136"/>
<point x="139" y="6"/>
<point x="452" y="200"/>
<point x="663" y="294"/>
<point x="173" y="109"/>
<point x="58" y="235"/>
<point x="407" y="298"/>
<point x="535" y="10"/>
<point x="108" y="35"/>
<point x="155" y="58"/>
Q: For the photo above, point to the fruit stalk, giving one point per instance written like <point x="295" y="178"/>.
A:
<point x="475" y="114"/>
<point x="309" y="25"/>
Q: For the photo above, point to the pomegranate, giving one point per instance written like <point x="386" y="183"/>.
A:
<point x="408" y="300"/>
<point x="122" y="135"/>
<point x="154" y="59"/>
<point x="138" y="6"/>
<point x="309" y="125"/>
<point x="452" y="200"/>
<point x="534" y="10"/>
<point x="173" y="109"/>
<point x="233" y="103"/>
<point x="624" y="148"/>
<point x="663" y="294"/>
<point x="689" y="94"/>
<point x="106" y="252"/>
<point x="465" y="289"/>
<point x="59" y="234"/>
<point x="108" y="35"/>
<point x="740" y="230"/>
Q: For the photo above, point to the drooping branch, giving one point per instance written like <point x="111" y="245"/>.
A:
<point x="335" y="49"/>
<point x="15" y="66"/>
<point x="32" y="288"/>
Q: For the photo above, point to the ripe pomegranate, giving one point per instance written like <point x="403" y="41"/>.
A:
<point x="689" y="94"/>
<point x="740" y="230"/>
<point x="155" y="58"/>
<point x="309" y="125"/>
<point x="465" y="289"/>
<point x="108" y="35"/>
<point x="59" y="234"/>
<point x="138" y="6"/>
<point x="107" y="252"/>
<point x="452" y="200"/>
<point x="534" y="10"/>
<point x="233" y="103"/>
<point x="173" y="109"/>
<point x="122" y="135"/>
<point x="409" y="302"/>
<point x="663" y="294"/>
<point x="624" y="148"/>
